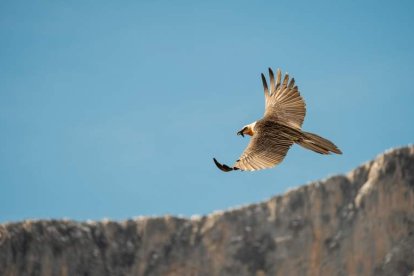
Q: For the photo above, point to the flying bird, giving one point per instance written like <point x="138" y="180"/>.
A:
<point x="274" y="134"/>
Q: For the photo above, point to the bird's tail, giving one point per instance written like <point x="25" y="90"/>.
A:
<point x="317" y="144"/>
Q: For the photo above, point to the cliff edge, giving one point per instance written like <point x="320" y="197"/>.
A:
<point x="361" y="223"/>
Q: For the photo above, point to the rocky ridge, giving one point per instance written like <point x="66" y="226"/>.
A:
<point x="361" y="223"/>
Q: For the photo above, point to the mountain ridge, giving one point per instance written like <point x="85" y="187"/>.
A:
<point x="359" y="223"/>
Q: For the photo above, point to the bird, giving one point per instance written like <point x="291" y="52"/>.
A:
<point x="280" y="128"/>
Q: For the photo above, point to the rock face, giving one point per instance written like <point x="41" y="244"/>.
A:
<point x="361" y="223"/>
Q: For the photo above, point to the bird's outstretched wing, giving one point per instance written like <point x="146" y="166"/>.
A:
<point x="283" y="102"/>
<point x="267" y="148"/>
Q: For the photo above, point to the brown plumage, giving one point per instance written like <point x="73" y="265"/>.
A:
<point x="280" y="127"/>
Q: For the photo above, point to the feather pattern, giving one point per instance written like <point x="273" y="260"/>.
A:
<point x="268" y="147"/>
<point x="284" y="103"/>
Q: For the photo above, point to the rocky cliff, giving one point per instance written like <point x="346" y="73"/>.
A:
<point x="361" y="223"/>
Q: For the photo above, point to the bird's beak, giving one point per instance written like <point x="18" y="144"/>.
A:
<point x="240" y="133"/>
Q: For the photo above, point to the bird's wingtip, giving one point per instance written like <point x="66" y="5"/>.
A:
<point x="222" y="167"/>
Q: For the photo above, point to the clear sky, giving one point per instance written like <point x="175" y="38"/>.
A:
<point x="114" y="109"/>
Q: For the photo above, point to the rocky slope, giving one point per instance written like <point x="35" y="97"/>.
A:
<point x="361" y="223"/>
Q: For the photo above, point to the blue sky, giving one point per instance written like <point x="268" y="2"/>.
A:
<point x="115" y="108"/>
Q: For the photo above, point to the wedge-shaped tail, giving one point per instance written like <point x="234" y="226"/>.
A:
<point x="317" y="144"/>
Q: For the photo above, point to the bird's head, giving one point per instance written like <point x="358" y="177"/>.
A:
<point x="248" y="129"/>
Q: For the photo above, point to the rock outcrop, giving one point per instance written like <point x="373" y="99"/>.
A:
<point x="361" y="223"/>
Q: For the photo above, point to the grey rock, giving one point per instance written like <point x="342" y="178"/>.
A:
<point x="361" y="223"/>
